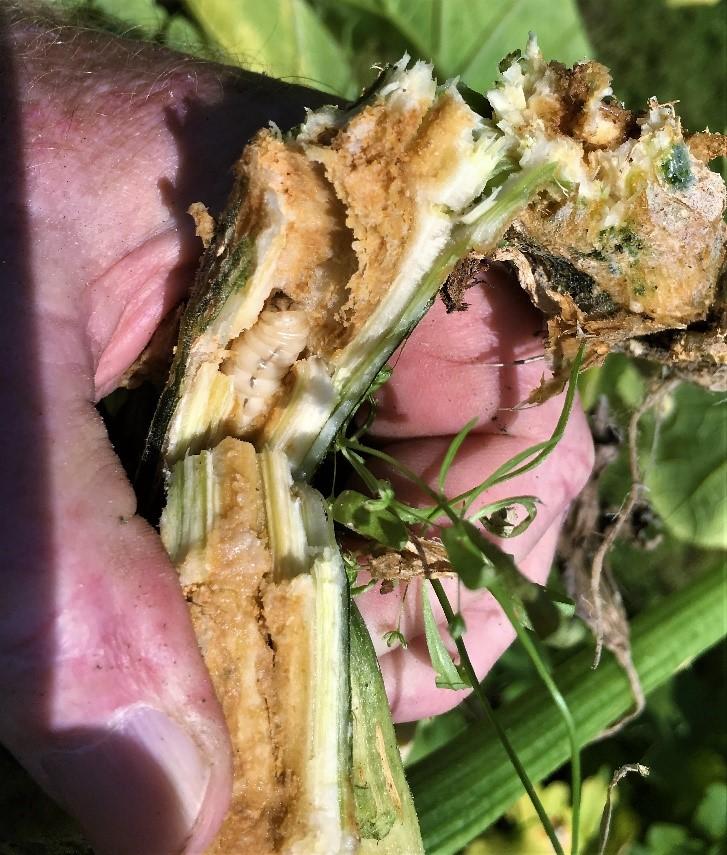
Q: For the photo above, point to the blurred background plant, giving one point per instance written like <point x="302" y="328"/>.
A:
<point x="671" y="49"/>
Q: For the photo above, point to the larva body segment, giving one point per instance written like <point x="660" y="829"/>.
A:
<point x="260" y="358"/>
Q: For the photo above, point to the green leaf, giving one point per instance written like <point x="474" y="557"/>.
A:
<point x="182" y="35"/>
<point x="144" y="15"/>
<point x="469" y="38"/>
<point x="394" y="638"/>
<point x="711" y="815"/>
<point x="457" y="627"/>
<point x="464" y="786"/>
<point x="686" y="476"/>
<point x="432" y="733"/>
<point x="283" y="39"/>
<point x="383" y="804"/>
<point x="618" y="378"/>
<point x="543" y="615"/>
<point x="454" y="447"/>
<point x="479" y="563"/>
<point x="495" y="516"/>
<point x="351" y="566"/>
<point x="664" y="838"/>
<point x="369" y="518"/>
<point x="447" y="674"/>
<point x="470" y="563"/>
<point x="357" y="590"/>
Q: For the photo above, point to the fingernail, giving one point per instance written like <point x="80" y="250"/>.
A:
<point x="137" y="787"/>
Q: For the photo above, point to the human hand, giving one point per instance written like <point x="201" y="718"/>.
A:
<point x="106" y="700"/>
<point x="454" y="368"/>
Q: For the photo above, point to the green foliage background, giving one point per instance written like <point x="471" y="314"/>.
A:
<point x="674" y="50"/>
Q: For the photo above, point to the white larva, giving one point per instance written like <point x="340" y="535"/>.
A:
<point x="262" y="356"/>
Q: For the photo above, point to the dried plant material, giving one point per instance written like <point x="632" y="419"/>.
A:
<point x="423" y="559"/>
<point x="468" y="272"/>
<point x="598" y="604"/>
<point x="204" y="223"/>
<point x="699" y="356"/>
<point x="618" y="776"/>
<point x="603" y="612"/>
<point x="705" y="146"/>
<point x="599" y="618"/>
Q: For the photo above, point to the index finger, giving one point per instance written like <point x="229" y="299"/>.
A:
<point x="469" y="364"/>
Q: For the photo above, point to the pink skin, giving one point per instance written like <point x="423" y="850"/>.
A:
<point x="445" y="375"/>
<point x="102" y="680"/>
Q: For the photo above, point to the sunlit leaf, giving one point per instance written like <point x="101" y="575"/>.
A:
<point x="144" y="16"/>
<point x="469" y="39"/>
<point x="686" y="476"/>
<point x="677" y="3"/>
<point x="181" y="34"/>
<point x="524" y="833"/>
<point x="464" y="786"/>
<point x="284" y="39"/>
<point x="711" y="815"/>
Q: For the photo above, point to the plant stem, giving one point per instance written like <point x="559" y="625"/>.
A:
<point x="464" y="786"/>
<point x="495" y="724"/>
<point x="540" y="666"/>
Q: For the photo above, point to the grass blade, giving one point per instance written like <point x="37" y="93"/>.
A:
<point x="448" y="676"/>
<point x="453" y="450"/>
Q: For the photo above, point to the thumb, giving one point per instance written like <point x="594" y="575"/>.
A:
<point x="106" y="699"/>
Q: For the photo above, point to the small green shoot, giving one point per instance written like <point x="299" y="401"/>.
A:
<point x="448" y="675"/>
<point x="453" y="451"/>
<point x="371" y="518"/>
<point x="497" y="517"/>
<point x="394" y="638"/>
<point x="357" y="590"/>
<point x="457" y="627"/>
<point x="467" y="670"/>
<point x="351" y="566"/>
